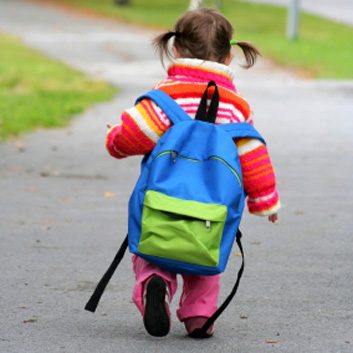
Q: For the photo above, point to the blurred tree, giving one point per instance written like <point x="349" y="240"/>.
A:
<point x="219" y="3"/>
<point x="195" y="4"/>
<point x="122" y="2"/>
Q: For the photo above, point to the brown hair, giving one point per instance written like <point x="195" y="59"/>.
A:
<point x="203" y="34"/>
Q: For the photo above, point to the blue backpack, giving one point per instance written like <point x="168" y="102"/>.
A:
<point x="185" y="210"/>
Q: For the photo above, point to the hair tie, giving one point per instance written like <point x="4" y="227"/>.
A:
<point x="176" y="33"/>
<point x="233" y="42"/>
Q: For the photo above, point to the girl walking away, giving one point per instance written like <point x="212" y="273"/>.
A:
<point x="200" y="50"/>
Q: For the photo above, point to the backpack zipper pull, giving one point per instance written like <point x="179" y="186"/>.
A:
<point x="174" y="156"/>
<point x="208" y="225"/>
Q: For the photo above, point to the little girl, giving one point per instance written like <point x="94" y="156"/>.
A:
<point x="201" y="52"/>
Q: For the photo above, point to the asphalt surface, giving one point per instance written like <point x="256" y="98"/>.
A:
<point x="63" y="210"/>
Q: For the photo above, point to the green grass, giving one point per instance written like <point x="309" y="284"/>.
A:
<point x="324" y="49"/>
<point x="38" y="92"/>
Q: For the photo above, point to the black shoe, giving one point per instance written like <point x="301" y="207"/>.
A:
<point x="156" y="317"/>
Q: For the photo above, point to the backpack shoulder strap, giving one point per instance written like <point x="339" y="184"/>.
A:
<point x="170" y="107"/>
<point x="95" y="297"/>
<point x="242" y="130"/>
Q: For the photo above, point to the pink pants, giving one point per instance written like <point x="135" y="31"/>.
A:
<point x="200" y="293"/>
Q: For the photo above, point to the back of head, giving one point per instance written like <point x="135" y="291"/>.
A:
<point x="203" y="34"/>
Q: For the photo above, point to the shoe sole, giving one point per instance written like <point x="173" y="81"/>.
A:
<point x="156" y="317"/>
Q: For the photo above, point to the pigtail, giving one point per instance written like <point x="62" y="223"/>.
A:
<point x="204" y="34"/>
<point x="250" y="52"/>
<point x="161" y="45"/>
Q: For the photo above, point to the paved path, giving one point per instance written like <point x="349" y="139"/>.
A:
<point x="337" y="10"/>
<point x="63" y="211"/>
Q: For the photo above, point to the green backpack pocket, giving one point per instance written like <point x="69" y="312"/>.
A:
<point x="181" y="230"/>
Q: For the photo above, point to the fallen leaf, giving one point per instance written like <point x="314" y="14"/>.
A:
<point x="238" y="254"/>
<point x="29" y="321"/>
<point x="108" y="194"/>
<point x="67" y="199"/>
<point x="48" y="174"/>
<point x="32" y="189"/>
<point x="20" y="146"/>
<point x="272" y="341"/>
<point x="13" y="168"/>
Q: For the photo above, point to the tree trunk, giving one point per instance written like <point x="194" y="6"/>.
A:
<point x="122" y="2"/>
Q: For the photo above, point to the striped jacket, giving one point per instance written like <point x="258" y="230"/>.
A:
<point x="143" y="124"/>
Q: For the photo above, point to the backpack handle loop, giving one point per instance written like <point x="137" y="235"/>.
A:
<point x="202" y="114"/>
<point x="242" y="130"/>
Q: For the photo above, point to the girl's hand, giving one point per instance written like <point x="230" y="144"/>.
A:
<point x="273" y="218"/>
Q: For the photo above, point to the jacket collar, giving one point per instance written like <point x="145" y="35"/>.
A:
<point x="202" y="71"/>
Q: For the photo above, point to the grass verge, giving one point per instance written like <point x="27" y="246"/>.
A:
<point x="323" y="50"/>
<point x="38" y="92"/>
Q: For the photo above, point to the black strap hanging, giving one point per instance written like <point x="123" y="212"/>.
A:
<point x="94" y="300"/>
<point x="198" y="333"/>
<point x="210" y="115"/>
<point x="202" y="332"/>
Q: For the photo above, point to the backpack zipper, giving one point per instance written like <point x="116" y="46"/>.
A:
<point x="184" y="217"/>
<point x="229" y="166"/>
<point x="175" y="155"/>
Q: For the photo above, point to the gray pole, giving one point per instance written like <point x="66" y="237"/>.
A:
<point x="293" y="19"/>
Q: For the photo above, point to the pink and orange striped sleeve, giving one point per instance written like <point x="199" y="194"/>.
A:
<point x="141" y="128"/>
<point x="258" y="177"/>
